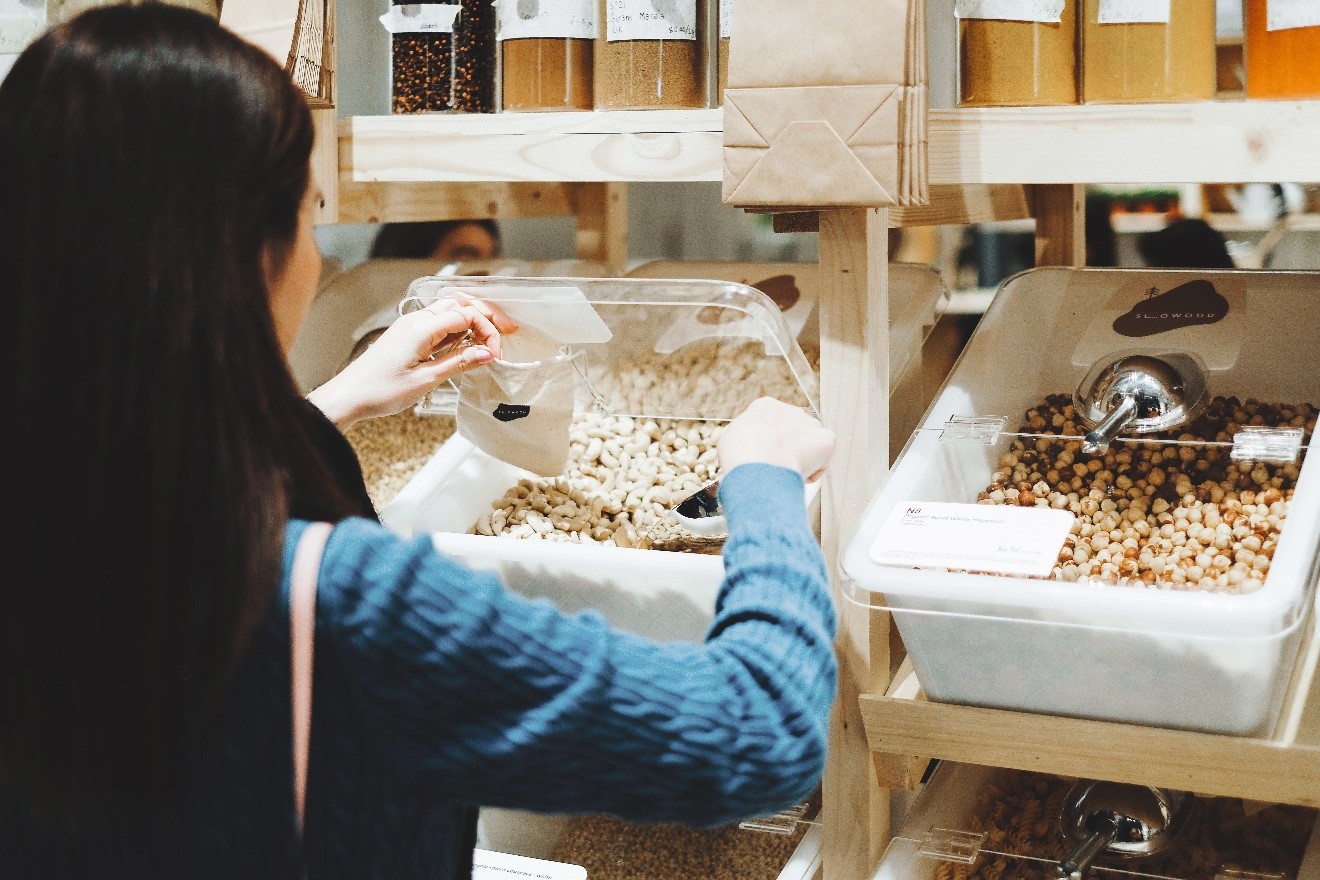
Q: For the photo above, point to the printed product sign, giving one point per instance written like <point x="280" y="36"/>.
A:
<point x="1011" y="10"/>
<point x="973" y="537"/>
<point x="535" y="19"/>
<point x="1133" y="12"/>
<point x="651" y="20"/>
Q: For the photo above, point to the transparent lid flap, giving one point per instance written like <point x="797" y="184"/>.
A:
<point x="655" y="348"/>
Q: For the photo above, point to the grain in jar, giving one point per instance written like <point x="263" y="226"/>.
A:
<point x="726" y="30"/>
<point x="1017" y="52"/>
<point x="474" y="58"/>
<point x="649" y="56"/>
<point x="421" y="69"/>
<point x="548" y="54"/>
<point x="1137" y="51"/>
<point x="1282" y="48"/>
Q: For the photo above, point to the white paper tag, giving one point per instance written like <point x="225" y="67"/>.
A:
<point x="651" y="20"/>
<point x="726" y="18"/>
<point x="554" y="19"/>
<point x="1133" y="12"/>
<point x="421" y="18"/>
<point x="490" y="865"/>
<point x="977" y="537"/>
<point x="1011" y="10"/>
<point x="1282" y="15"/>
<point x="19" y="25"/>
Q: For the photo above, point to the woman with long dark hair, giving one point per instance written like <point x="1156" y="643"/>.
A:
<point x="156" y="234"/>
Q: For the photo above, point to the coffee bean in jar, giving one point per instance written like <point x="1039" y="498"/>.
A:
<point x="649" y="56"/>
<point x="422" y="45"/>
<point x="547" y="51"/>
<point x="474" y="57"/>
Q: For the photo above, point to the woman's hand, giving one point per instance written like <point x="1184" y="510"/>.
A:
<point x="770" y="431"/>
<point x="416" y="353"/>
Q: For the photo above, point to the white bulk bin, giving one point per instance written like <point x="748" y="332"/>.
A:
<point x="1190" y="659"/>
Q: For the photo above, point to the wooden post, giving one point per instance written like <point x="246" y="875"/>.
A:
<point x="1060" y="212"/>
<point x="854" y="373"/>
<point x="602" y="223"/>
<point x="325" y="162"/>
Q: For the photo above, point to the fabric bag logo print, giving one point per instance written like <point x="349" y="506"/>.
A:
<point x="508" y="412"/>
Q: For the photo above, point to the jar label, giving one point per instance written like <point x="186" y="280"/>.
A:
<point x="651" y="19"/>
<point x="1133" y="12"/>
<point x="421" y="18"/>
<point x="1011" y="10"/>
<point x="556" y="19"/>
<point x="726" y="18"/>
<point x="1282" y="15"/>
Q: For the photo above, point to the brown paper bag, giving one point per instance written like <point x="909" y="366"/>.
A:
<point x="826" y="104"/>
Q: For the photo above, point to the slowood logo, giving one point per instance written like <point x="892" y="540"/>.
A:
<point x="1187" y="305"/>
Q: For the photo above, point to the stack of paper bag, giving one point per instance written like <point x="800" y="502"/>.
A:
<point x="826" y="104"/>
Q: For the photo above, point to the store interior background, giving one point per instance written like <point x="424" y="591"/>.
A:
<point x="687" y="221"/>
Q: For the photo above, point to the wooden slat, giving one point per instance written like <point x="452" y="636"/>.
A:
<point x="325" y="163"/>
<point x="585" y="146"/>
<point x="854" y="322"/>
<point x="1225" y="766"/>
<point x="381" y="202"/>
<point x="1207" y="142"/>
<point x="965" y="203"/>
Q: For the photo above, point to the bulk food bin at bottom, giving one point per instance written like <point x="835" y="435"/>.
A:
<point x="1165" y="576"/>
<point x="611" y="419"/>
<point x="981" y="823"/>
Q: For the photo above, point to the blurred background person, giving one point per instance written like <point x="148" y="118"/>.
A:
<point x="448" y="241"/>
<point x="1188" y="243"/>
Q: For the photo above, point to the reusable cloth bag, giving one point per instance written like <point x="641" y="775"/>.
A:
<point x="520" y="411"/>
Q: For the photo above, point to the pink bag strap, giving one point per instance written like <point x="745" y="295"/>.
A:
<point x="302" y="631"/>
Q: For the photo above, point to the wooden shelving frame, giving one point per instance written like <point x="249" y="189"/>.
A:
<point x="985" y="164"/>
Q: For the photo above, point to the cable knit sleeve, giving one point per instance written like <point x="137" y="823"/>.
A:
<point x="467" y="688"/>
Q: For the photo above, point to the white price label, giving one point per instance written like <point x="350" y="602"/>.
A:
<point x="1133" y="12"/>
<point x="976" y="537"/>
<point x="421" y="18"/>
<point x="535" y="19"/>
<point x="726" y="18"/>
<point x="490" y="865"/>
<point x="1011" y="10"/>
<point x="1282" y="15"/>
<point x="651" y="20"/>
<point x="20" y="23"/>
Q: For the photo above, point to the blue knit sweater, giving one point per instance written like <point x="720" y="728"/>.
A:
<point x="437" y="689"/>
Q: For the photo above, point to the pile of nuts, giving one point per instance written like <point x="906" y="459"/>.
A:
<point x="1177" y="513"/>
<point x="1019" y="812"/>
<point x="623" y="477"/>
<point x="394" y="448"/>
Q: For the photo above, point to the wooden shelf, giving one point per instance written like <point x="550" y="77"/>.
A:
<point x="1211" y="142"/>
<point x="1284" y="768"/>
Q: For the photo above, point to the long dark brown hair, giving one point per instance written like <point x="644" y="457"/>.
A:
<point x="146" y="157"/>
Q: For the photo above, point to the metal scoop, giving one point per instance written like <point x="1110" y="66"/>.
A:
<point x="1112" y="818"/>
<point x="1141" y="393"/>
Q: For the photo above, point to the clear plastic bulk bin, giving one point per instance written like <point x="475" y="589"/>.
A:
<point x="694" y="352"/>
<point x="1161" y="578"/>
<point x="978" y="823"/>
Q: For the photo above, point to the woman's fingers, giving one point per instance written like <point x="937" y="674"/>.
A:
<point x="456" y="323"/>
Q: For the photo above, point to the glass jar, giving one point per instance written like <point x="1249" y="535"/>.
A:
<point x="547" y="54"/>
<point x="649" y="57"/>
<point x="421" y="69"/>
<point x="1282" y="48"/>
<point x="1147" y="52"/>
<point x="474" y="57"/>
<point x="726" y="29"/>
<point x="1030" y="59"/>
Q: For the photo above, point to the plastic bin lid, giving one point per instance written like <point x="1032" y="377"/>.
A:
<point x="995" y="509"/>
<point x="656" y="348"/>
<point x="978" y="823"/>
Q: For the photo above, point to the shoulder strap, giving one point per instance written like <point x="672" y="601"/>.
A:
<point x="302" y="630"/>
